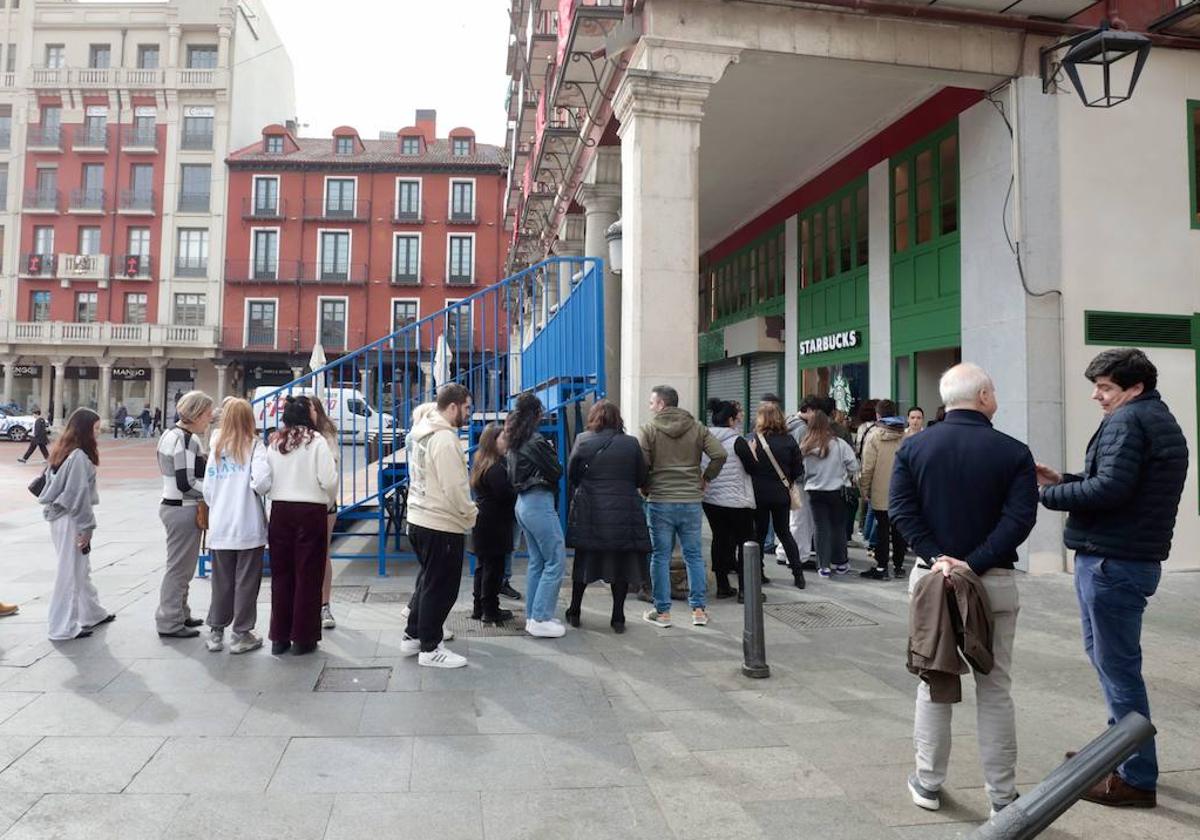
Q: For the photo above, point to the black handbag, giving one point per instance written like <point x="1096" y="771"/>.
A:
<point x="38" y="485"/>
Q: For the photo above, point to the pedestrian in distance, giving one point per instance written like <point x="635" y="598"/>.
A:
<point x="118" y="421"/>
<point x="868" y="416"/>
<point x="158" y="422"/>
<point x="607" y="521"/>
<point x="39" y="440"/>
<point x="68" y="502"/>
<point x="829" y="464"/>
<point x="875" y="481"/>
<point x="237" y="478"/>
<point x="492" y="536"/>
<point x="145" y="421"/>
<point x="304" y="483"/>
<point x="964" y="496"/>
<point x="327" y="430"/>
<point x="440" y="513"/>
<point x="673" y="443"/>
<point x="729" y="498"/>
<point x="182" y="461"/>
<point x="1121" y="517"/>
<point x="774" y="466"/>
<point x="534" y="470"/>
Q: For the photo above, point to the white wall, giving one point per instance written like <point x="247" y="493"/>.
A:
<point x="879" y="279"/>
<point x="264" y="86"/>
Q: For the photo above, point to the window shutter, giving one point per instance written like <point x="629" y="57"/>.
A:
<point x="1138" y="330"/>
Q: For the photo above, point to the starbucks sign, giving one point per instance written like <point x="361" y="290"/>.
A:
<point x="827" y="343"/>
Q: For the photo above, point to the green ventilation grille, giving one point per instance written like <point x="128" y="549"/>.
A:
<point x="1138" y="330"/>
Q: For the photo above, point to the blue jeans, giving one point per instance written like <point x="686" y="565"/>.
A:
<point x="1112" y="597"/>
<point x="869" y="525"/>
<point x="668" y="520"/>
<point x="547" y="552"/>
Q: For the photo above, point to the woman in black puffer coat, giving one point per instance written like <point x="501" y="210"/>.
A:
<point x="607" y="522"/>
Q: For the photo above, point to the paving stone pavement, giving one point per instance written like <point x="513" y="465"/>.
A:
<point x="654" y="733"/>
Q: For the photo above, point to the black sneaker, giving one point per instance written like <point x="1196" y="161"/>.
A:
<point x="898" y="572"/>
<point x="499" y="617"/>
<point x="878" y="573"/>
<point x="508" y="592"/>
<point x="809" y="565"/>
<point x="477" y="612"/>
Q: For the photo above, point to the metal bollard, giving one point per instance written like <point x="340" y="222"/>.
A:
<point x="1030" y="815"/>
<point x="754" y="643"/>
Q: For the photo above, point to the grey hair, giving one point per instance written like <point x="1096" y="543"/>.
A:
<point x="962" y="384"/>
<point x="192" y="404"/>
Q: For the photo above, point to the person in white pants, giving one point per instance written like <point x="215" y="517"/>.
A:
<point x="800" y="522"/>
<point x="67" y="500"/>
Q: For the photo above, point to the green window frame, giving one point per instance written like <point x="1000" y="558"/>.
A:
<point x="834" y="235"/>
<point x="746" y="283"/>
<point x="1193" y="128"/>
<point x="925" y="191"/>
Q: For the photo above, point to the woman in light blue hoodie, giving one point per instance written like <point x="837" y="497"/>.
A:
<point x="238" y="475"/>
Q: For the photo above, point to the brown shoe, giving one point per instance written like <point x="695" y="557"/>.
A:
<point x="1118" y="793"/>
<point x="8" y="609"/>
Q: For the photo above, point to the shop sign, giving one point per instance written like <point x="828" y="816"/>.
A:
<point x="131" y="374"/>
<point x="33" y="371"/>
<point x="199" y="111"/>
<point x="260" y="371"/>
<point x="145" y="111"/>
<point x="828" y="343"/>
<point x="82" y="373"/>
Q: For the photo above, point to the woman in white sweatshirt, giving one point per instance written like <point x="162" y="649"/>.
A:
<point x="237" y="477"/>
<point x="303" y="486"/>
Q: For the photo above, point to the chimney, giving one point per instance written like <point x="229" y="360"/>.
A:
<point x="427" y="122"/>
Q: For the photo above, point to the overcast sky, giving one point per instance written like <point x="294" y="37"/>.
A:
<point x="372" y="63"/>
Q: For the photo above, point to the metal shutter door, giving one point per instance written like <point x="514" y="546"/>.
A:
<point x="724" y="381"/>
<point x="764" y="377"/>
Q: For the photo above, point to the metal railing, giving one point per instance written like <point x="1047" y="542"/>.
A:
<point x="191" y="266"/>
<point x="333" y="272"/>
<point x="257" y="270"/>
<point x="44" y="137"/>
<point x="43" y="200"/>
<point x="88" y="200"/>
<point x="38" y="265"/>
<point x="196" y="141"/>
<point x="89" y="137"/>
<point x="195" y="202"/>
<point x="140" y="201"/>
<point x="251" y="209"/>
<point x="358" y="210"/>
<point x="139" y="137"/>
<point x="135" y="266"/>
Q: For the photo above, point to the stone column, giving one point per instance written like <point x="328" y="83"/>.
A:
<point x="660" y="106"/>
<point x="601" y="198"/>
<point x="44" y="397"/>
<point x="104" y="400"/>
<point x="60" y="375"/>
<point x="9" y="363"/>
<point x="158" y="388"/>
<point x="223" y="46"/>
<point x="791" y="316"/>
<point x="220" y="381"/>
<point x="173" y="33"/>
<point x="879" y="281"/>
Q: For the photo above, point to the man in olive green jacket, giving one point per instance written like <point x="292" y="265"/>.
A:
<point x="673" y="442"/>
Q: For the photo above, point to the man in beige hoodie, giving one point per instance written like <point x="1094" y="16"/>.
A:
<point x="440" y="512"/>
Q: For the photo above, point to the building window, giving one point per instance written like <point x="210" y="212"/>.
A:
<point x="410" y="145"/>
<point x="1194" y="157"/>
<point x="260" y="323"/>
<point x="345" y="146"/>
<point x="198" y="129"/>
<point x="408" y="199"/>
<point x="39" y="306"/>
<point x="195" y="181"/>
<point x="144" y="129"/>
<point x="404" y="312"/>
<point x="460" y="146"/>
<point x="202" y="57"/>
<point x="5" y="126"/>
<point x="91" y="192"/>
<point x="339" y="198"/>
<point x="43" y="241"/>
<point x="925" y="193"/>
<point x="141" y="185"/>
<point x="335" y="255"/>
<point x="100" y="56"/>
<point x="137" y="252"/>
<point x="10" y="60"/>
<point x="834" y="235"/>
<point x="266" y="196"/>
<point x="408" y="259"/>
<point x="86" y="306"/>
<point x="266" y="254"/>
<point x="191" y="254"/>
<point x="56" y="56"/>
<point x="135" y="307"/>
<point x="462" y="200"/>
<point x="147" y="56"/>
<point x="462" y="259"/>
<point x="273" y="144"/>
<point x="189" y="310"/>
<point x="89" y="241"/>
<point x="748" y="281"/>
<point x="459" y="320"/>
<point x="3" y="186"/>
<point x="333" y="323"/>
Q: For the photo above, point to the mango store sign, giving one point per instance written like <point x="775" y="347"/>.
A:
<point x="827" y="343"/>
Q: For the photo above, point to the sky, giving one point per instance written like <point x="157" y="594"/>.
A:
<point x="371" y="63"/>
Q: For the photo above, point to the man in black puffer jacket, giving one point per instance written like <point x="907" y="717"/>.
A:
<point x="1122" y="514"/>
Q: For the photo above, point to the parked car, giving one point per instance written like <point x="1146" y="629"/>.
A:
<point x="15" y="426"/>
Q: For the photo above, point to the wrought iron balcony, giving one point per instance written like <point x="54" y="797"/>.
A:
<point x="186" y="266"/>
<point x="137" y="201"/>
<point x="45" y="137"/>
<point x="253" y="209"/>
<point x="88" y="201"/>
<point x="42" y="200"/>
<point x="136" y="266"/>
<point x="256" y="270"/>
<point x="85" y="137"/>
<point x="358" y="210"/>
<point x="196" y="141"/>
<point x="260" y="337"/>
<point x="333" y="272"/>
<point x="194" y="202"/>
<point x="37" y="265"/>
<point x="139" y="138"/>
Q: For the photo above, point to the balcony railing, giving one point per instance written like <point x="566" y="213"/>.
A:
<point x="462" y="217"/>
<point x="194" y="202"/>
<point x="136" y="267"/>
<point x="179" y="336"/>
<point x="83" y="266"/>
<point x="48" y="77"/>
<point x="260" y="337"/>
<point x="95" y="76"/>
<point x="242" y="271"/>
<point x="326" y="272"/>
<point x="146" y="77"/>
<point x="85" y="137"/>
<point x="407" y="217"/>
<point x="251" y="209"/>
<point x="460" y="280"/>
<point x="191" y="266"/>
<point x="105" y="333"/>
<point x="139" y="138"/>
<point x="137" y="201"/>
<point x="42" y="200"/>
<point x="88" y="201"/>
<point x="339" y="211"/>
<point x="200" y="78"/>
<point x="196" y="141"/>
<point x="37" y="265"/>
<point x="406" y="278"/>
<point x="45" y="137"/>
<point x="8" y="79"/>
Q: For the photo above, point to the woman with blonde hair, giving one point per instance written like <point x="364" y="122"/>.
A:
<point x="182" y="462"/>
<point x="237" y="478"/>
<point x="329" y="431"/>
<point x="829" y="464"/>
<point x="774" y="466"/>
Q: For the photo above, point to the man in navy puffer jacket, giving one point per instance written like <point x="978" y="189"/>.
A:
<point x="1122" y="512"/>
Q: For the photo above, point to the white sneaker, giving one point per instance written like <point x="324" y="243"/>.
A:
<point x="441" y="657"/>
<point x="215" y="640"/>
<point x="327" y="620"/>
<point x="409" y="646"/>
<point x="447" y="634"/>
<point x="545" y="629"/>
<point x="404" y="613"/>
<point x="245" y="643"/>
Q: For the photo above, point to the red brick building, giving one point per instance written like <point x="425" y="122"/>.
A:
<point x="341" y="240"/>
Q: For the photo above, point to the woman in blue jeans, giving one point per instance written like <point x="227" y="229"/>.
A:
<point x="534" y="469"/>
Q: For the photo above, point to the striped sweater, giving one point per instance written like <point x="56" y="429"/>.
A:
<point x="182" y="461"/>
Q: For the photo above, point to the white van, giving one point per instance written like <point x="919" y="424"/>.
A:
<point x="347" y="408"/>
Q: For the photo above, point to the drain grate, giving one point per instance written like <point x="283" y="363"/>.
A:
<point x="816" y="615"/>
<point x="344" y="594"/>
<point x="387" y="596"/>
<point x="465" y="627"/>
<point x="353" y="679"/>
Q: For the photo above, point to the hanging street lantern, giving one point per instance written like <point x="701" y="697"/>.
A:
<point x="613" y="235"/>
<point x="1103" y="64"/>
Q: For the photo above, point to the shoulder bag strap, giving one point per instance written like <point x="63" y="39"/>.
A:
<point x="771" y="457"/>
<point x="588" y="464"/>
